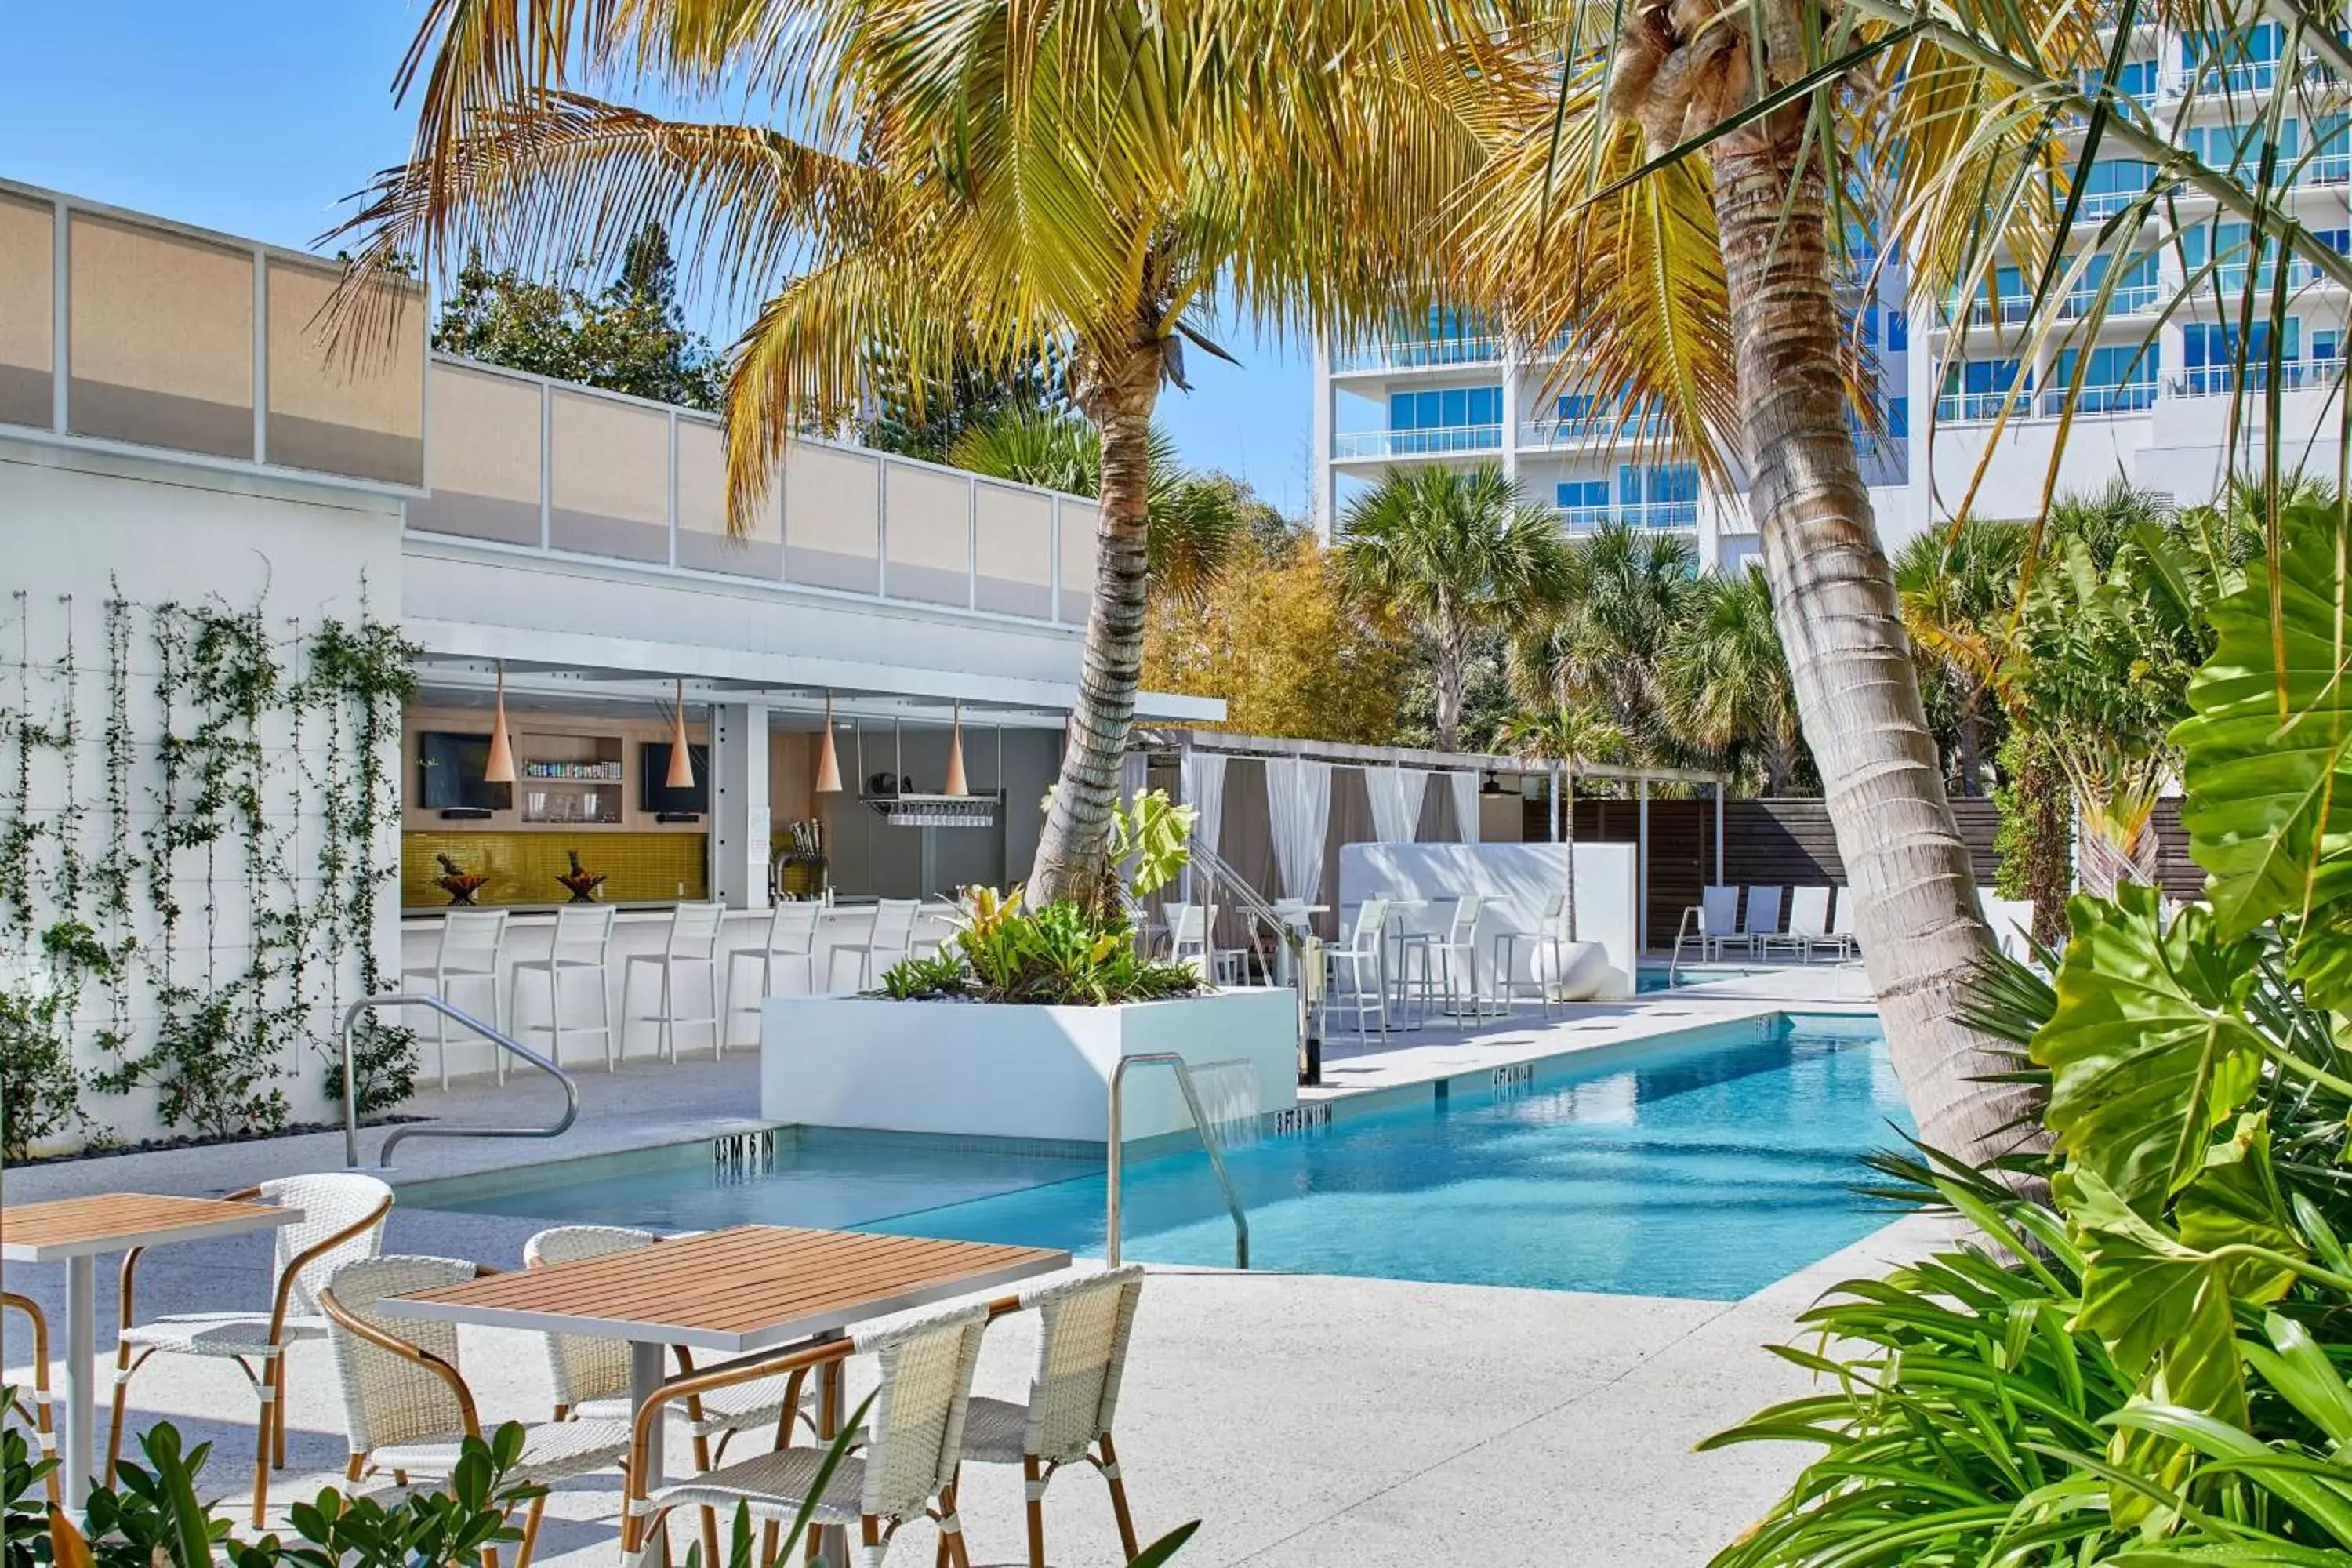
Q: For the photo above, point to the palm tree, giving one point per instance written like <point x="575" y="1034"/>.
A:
<point x="981" y="184"/>
<point x="1571" y="736"/>
<point x="1195" y="525"/>
<point x="1959" y="589"/>
<point x="1453" y="552"/>
<point x="1726" y="680"/>
<point x="1624" y="591"/>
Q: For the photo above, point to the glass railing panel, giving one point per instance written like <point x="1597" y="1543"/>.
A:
<point x="703" y="542"/>
<point x="833" y="518"/>
<point x="27" y="311"/>
<point x="161" y="340"/>
<point x="1012" y="550"/>
<point x="608" y="476"/>
<point x="357" y="411"/>
<point x="928" y="534"/>
<point x="481" y="457"/>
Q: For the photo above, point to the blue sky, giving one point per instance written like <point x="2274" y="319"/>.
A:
<point x="259" y="117"/>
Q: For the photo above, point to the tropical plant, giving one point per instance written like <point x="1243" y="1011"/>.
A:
<point x="988" y="182"/>
<point x="1194" y="523"/>
<point x="39" y="1090"/>
<point x="1452" y="552"/>
<point x="1959" y="587"/>
<point x="1572" y="737"/>
<point x="1727" y="681"/>
<point x="1624" y="590"/>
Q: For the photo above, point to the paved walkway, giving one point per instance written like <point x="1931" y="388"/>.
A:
<point x="1309" y="1420"/>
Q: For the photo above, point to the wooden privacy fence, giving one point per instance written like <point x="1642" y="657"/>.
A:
<point x="1789" y="842"/>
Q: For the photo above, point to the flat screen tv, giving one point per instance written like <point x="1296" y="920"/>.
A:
<point x="449" y="770"/>
<point x="653" y="772"/>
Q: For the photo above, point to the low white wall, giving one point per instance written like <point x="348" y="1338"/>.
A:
<point x="1002" y="1071"/>
<point x="1518" y="880"/>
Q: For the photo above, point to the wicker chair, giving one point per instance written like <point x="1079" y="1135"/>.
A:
<point x="36" y="1410"/>
<point x="907" y="1461"/>
<point x="1084" y="1324"/>
<point x="342" y="1220"/>
<point x="591" y="1376"/>
<point x="407" y="1407"/>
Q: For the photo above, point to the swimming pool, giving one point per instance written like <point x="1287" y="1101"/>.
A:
<point x="1706" y="1164"/>
<point x="1652" y="977"/>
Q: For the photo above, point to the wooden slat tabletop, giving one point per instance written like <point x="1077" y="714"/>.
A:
<point x="116" y="1222"/>
<point x="748" y="1287"/>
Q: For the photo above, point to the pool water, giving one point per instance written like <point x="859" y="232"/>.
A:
<point x="1708" y="1165"/>
<point x="1650" y="978"/>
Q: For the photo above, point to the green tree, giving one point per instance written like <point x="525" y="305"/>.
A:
<point x="991" y="182"/>
<point x="1624" y="592"/>
<point x="1959" y="587"/>
<point x="1571" y="736"/>
<point x="926" y="418"/>
<point x="630" y="337"/>
<point x="1726" y="680"/>
<point x="1452" y="553"/>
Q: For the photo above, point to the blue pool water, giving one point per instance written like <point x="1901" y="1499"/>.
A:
<point x="1651" y="977"/>
<point x="1708" y="1165"/>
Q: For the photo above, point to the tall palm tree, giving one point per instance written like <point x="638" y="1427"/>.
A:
<point x="1959" y="589"/>
<point x="1726" y="680"/>
<point x="967" y="181"/>
<point x="1194" y="527"/>
<point x="1572" y="737"/>
<point x="1452" y="551"/>
<point x="1624" y="591"/>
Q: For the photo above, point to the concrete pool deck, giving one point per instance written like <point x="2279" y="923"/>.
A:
<point x="1309" y="1420"/>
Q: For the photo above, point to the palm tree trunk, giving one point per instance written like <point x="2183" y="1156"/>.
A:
<point x="1452" y="655"/>
<point x="2045" y="836"/>
<point x="1834" y="601"/>
<point x="1117" y="390"/>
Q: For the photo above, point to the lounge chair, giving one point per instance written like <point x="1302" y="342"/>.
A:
<point x="1839" y="939"/>
<point x="1809" y="922"/>
<point x="1761" y="921"/>
<point x="1710" y="923"/>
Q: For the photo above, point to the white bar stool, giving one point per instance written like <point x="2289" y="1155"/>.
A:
<point x="693" y="938"/>
<point x="792" y="942"/>
<point x="468" y="952"/>
<point x="582" y="944"/>
<point x="889" y="935"/>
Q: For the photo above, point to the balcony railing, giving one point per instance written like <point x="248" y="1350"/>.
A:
<point x="1976" y="407"/>
<point x="2134" y="300"/>
<point x="2127" y="398"/>
<point x="1593" y="428"/>
<point x="1421" y="354"/>
<point x="2012" y="309"/>
<point x="1659" y="517"/>
<point x="1437" y="442"/>
<point x="2223" y="380"/>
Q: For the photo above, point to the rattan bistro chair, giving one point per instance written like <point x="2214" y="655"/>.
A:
<point x="35" y="1407"/>
<point x="590" y="1375"/>
<point x="1084" y="1327"/>
<point x="907" y="1463"/>
<point x="407" y="1407"/>
<point x="342" y="1220"/>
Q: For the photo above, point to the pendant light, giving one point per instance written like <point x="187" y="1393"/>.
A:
<point x="681" y="766"/>
<point x="499" y="767"/>
<point x="828" y="761"/>
<point x="955" y="783"/>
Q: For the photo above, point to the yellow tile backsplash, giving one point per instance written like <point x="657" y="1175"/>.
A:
<point x="523" y="867"/>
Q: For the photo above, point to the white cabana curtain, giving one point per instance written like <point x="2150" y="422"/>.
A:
<point x="1204" y="791"/>
<point x="1298" y="805"/>
<point x="1396" y="802"/>
<point x="1466" y="806"/>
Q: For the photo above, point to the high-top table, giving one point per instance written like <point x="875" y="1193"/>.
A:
<point x="74" y="1231"/>
<point x="750" y="1288"/>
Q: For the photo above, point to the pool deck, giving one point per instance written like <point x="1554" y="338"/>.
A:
<point x="1309" y="1420"/>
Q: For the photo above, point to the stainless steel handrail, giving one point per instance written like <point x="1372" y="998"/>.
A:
<point x="1217" y="1160"/>
<point x="504" y="1042"/>
<point x="1296" y="962"/>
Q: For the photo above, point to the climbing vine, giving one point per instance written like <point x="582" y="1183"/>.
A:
<point x="223" y="935"/>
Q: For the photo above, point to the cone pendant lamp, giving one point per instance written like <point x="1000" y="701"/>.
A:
<point x="955" y="783"/>
<point x="499" y="767"/>
<point x="681" y="766"/>
<point x="828" y="761"/>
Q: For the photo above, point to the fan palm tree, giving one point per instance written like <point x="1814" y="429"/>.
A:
<point x="1623" y="592"/>
<point x="1452" y="552"/>
<point x="1726" y="680"/>
<point x="968" y="182"/>
<point x="1572" y="737"/>
<point x="1194" y="527"/>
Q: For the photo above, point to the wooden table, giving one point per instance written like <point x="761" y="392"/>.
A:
<point x="74" y="1231"/>
<point x="752" y="1287"/>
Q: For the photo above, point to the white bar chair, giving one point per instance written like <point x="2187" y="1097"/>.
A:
<point x="889" y="937"/>
<point x="583" y="945"/>
<point x="693" y="940"/>
<point x="1551" y="935"/>
<point x="1363" y="956"/>
<point x="791" y="945"/>
<point x="1809" y="922"/>
<point x="471" y="944"/>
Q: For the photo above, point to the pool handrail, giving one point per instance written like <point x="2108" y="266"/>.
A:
<point x="1217" y="1160"/>
<point x="496" y="1037"/>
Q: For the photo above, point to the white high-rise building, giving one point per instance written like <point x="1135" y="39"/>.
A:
<point x="2154" y="407"/>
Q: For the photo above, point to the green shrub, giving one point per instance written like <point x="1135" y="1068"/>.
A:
<point x="39" y="1090"/>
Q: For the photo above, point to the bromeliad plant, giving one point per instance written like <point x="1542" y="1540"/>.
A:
<point x="2157" y="1374"/>
<point x="1067" y="954"/>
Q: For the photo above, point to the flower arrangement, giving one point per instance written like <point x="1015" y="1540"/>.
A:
<point x="580" y="882"/>
<point x="460" y="884"/>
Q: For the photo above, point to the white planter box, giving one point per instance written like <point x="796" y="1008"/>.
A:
<point x="1004" y="1071"/>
